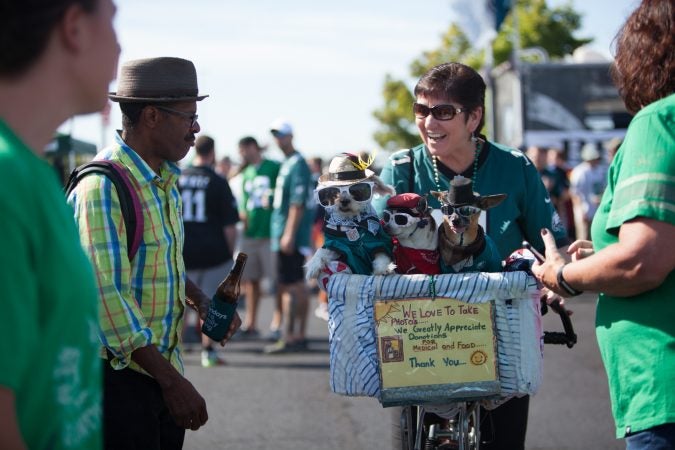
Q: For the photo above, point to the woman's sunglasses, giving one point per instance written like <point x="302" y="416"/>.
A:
<point x="359" y="192"/>
<point x="464" y="211"/>
<point x="439" y="112"/>
<point x="400" y="218"/>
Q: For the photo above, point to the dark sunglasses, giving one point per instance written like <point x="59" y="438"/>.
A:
<point x="360" y="192"/>
<point x="439" y="112"/>
<point x="191" y="117"/>
<point x="399" y="218"/>
<point x="464" y="211"/>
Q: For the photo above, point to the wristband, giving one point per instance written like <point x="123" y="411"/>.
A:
<point x="565" y="285"/>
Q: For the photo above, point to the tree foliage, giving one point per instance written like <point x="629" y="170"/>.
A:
<point x="550" y="29"/>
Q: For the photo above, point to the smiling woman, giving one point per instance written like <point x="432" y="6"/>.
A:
<point x="449" y="112"/>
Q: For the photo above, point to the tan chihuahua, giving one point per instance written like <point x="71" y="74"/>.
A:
<point x="462" y="242"/>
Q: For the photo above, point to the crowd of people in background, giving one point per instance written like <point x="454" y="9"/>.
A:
<point x="101" y="319"/>
<point x="575" y="190"/>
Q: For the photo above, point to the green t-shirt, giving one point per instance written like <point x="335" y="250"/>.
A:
<point x="293" y="187"/>
<point x="258" y="184"/>
<point x="48" y="326"/>
<point x="636" y="334"/>
<point x="501" y="170"/>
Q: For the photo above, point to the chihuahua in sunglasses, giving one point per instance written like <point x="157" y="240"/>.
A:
<point x="462" y="242"/>
<point x="407" y="219"/>
<point x="352" y="231"/>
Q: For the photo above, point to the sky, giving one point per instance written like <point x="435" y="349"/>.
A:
<point x="319" y="65"/>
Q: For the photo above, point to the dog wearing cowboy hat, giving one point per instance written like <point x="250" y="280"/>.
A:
<point x="462" y="242"/>
<point x="407" y="219"/>
<point x="352" y="230"/>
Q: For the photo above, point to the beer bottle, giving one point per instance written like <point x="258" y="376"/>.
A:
<point x="224" y="302"/>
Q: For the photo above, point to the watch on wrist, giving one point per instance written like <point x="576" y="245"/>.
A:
<point x="565" y="285"/>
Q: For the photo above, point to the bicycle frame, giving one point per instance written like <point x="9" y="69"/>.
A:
<point x="460" y="432"/>
<point x="420" y="431"/>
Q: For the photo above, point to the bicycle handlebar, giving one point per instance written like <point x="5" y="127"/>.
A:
<point x="568" y="337"/>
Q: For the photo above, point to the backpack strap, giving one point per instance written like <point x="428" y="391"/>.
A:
<point x="128" y="197"/>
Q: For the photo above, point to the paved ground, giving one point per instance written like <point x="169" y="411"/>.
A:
<point x="260" y="401"/>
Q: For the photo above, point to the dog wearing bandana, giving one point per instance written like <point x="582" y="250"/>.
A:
<point x="462" y="242"/>
<point x="352" y="230"/>
<point x="407" y="219"/>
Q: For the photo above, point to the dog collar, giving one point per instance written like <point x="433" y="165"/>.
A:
<point x="461" y="253"/>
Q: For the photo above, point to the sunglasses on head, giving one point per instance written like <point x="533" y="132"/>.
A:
<point x="439" y="112"/>
<point x="360" y="192"/>
<point x="399" y="218"/>
<point x="464" y="211"/>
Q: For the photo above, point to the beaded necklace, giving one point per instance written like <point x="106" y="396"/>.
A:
<point x="437" y="176"/>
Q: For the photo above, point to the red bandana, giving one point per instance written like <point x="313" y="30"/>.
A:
<point x="415" y="261"/>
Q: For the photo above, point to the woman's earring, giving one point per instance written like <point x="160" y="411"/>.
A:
<point x="474" y="139"/>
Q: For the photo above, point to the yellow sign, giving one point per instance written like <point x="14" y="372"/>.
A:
<point x="426" y="341"/>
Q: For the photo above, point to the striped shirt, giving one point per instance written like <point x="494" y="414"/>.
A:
<point x="141" y="301"/>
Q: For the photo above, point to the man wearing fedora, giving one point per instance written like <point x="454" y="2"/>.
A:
<point x="147" y="401"/>
<point x="291" y="227"/>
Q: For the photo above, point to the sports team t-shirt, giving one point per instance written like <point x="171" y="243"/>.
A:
<point x="258" y="183"/>
<point x="48" y="324"/>
<point x="636" y="334"/>
<point x="208" y="206"/>
<point x="293" y="187"/>
<point x="501" y="170"/>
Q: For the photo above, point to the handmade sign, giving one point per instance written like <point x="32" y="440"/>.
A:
<point x="435" y="349"/>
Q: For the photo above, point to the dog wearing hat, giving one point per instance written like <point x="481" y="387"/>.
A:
<point x="462" y="242"/>
<point x="352" y="230"/>
<point x="407" y="219"/>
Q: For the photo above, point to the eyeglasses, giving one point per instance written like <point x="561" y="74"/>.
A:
<point x="399" y="218"/>
<point x="360" y="192"/>
<point x="464" y="211"/>
<point x="439" y="112"/>
<point x="192" y="117"/>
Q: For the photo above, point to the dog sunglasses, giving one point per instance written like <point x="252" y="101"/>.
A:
<point x="464" y="211"/>
<point x="439" y="112"/>
<point x="359" y="192"/>
<point x="400" y="218"/>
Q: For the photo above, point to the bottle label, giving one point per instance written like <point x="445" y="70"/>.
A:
<point x="218" y="319"/>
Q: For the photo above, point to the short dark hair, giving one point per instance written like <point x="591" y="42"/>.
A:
<point x="457" y="82"/>
<point x="205" y="145"/>
<point x="644" y="66"/>
<point x="131" y="112"/>
<point x="25" y="30"/>
<point x="248" y="140"/>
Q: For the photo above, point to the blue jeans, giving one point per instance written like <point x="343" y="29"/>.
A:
<point x="661" y="437"/>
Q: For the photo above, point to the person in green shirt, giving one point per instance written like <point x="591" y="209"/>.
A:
<point x="632" y="256"/>
<point x="290" y="237"/>
<point x="258" y="181"/>
<point x="449" y="112"/>
<point x="55" y="61"/>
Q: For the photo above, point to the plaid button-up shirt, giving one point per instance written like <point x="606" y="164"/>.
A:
<point x="141" y="301"/>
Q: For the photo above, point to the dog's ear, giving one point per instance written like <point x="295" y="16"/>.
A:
<point x="440" y="195"/>
<point x="381" y="188"/>
<point x="490" y="201"/>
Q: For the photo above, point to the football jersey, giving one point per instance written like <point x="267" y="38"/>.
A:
<point x="258" y="183"/>
<point x="501" y="170"/>
<point x="208" y="206"/>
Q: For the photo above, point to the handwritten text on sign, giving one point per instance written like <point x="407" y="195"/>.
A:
<point x="423" y="341"/>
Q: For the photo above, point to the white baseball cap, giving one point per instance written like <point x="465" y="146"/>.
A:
<point x="589" y="152"/>
<point x="281" y="126"/>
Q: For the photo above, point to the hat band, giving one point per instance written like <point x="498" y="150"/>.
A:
<point x="343" y="176"/>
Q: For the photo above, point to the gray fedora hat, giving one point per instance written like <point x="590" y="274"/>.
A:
<point x="163" y="79"/>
